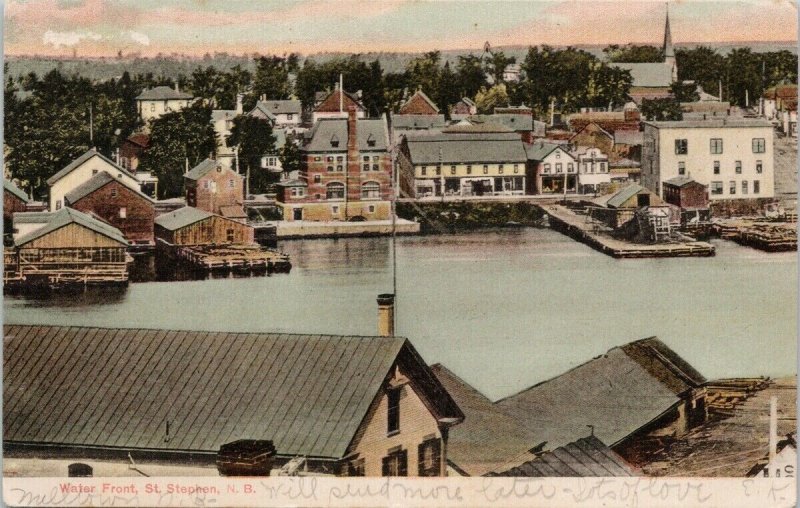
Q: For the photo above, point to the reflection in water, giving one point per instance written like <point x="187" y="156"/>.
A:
<point x="75" y="298"/>
<point x="335" y="254"/>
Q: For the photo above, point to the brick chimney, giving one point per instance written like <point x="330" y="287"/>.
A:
<point x="386" y="315"/>
<point x="353" y="162"/>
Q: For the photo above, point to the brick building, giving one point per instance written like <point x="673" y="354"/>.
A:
<point x="215" y="188"/>
<point x="346" y="172"/>
<point x="14" y="200"/>
<point x="126" y="209"/>
<point x="337" y="104"/>
<point x="684" y="192"/>
<point x="419" y="104"/>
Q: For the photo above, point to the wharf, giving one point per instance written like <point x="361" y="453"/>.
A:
<point x="769" y="236"/>
<point x="599" y="237"/>
<point x="234" y="257"/>
<point x="336" y="229"/>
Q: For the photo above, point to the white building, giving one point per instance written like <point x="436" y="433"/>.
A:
<point x="286" y="114"/>
<point x="552" y="166"/>
<point x="732" y="155"/>
<point x="593" y="170"/>
<point x="155" y="102"/>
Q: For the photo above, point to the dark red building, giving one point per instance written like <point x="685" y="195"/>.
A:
<point x="14" y="200"/>
<point x="126" y="209"/>
<point x="684" y="192"/>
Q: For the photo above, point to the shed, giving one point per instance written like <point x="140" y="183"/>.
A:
<point x="14" y="200"/>
<point x="686" y="193"/>
<point x="190" y="226"/>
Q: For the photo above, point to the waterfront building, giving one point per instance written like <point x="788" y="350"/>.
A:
<point x="418" y="104"/>
<point x="67" y="247"/>
<point x="345" y="172"/>
<point x="617" y="208"/>
<point x="610" y="121"/>
<point x="520" y="122"/>
<point x="550" y="166"/>
<point x="126" y="209"/>
<point x="81" y="170"/>
<point x="189" y="226"/>
<point x="215" y="188"/>
<point x="343" y="405"/>
<point x="662" y="395"/>
<point x="732" y="156"/>
<point x="593" y="170"/>
<point x="463" y="160"/>
<point x="684" y="192"/>
<point x="337" y="104"/>
<point x="14" y="200"/>
<point x="153" y="103"/>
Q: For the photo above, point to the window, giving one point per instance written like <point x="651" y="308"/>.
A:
<point x="113" y="193"/>
<point x="744" y="186"/>
<point x="366" y="158"/>
<point x="423" y="170"/>
<point x="396" y="463"/>
<point x="500" y="169"/>
<point x="317" y="159"/>
<point x="205" y="184"/>
<point x="430" y="457"/>
<point x="317" y="178"/>
<point x="716" y="145"/>
<point x="371" y="190"/>
<point x="452" y="170"/>
<point x="58" y="204"/>
<point x="516" y="168"/>
<point x="339" y="167"/>
<point x="738" y="165"/>
<point x="602" y="167"/>
<point x="366" y="167"/>
<point x="756" y="186"/>
<point x="94" y="171"/>
<point x="231" y="185"/>
<point x="716" y="167"/>
<point x="375" y="158"/>
<point x="335" y="209"/>
<point x="152" y="107"/>
<point x="759" y="167"/>
<point x="732" y="187"/>
<point x="438" y="170"/>
<point x="335" y="190"/>
<point x="681" y="147"/>
<point x="371" y="208"/>
<point x="289" y="116"/>
<point x="469" y="169"/>
<point x="340" y="159"/>
<point x="681" y="168"/>
<point x="716" y="187"/>
<point x="123" y="213"/>
<point x="485" y="169"/>
<point x="229" y="235"/>
<point x="759" y="145"/>
<point x="570" y="167"/>
<point x="546" y="168"/>
<point x="329" y="158"/>
<point x="393" y="414"/>
<point x="559" y="167"/>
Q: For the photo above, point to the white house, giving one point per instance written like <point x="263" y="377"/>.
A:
<point x="593" y="169"/>
<point x="553" y="166"/>
<point x="81" y="170"/>
<point x="282" y="113"/>
<point x="155" y="102"/>
<point x="733" y="156"/>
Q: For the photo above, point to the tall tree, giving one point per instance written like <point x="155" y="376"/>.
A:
<point x="703" y="65"/>
<point x="470" y="74"/>
<point x="498" y="61"/>
<point x="684" y="92"/>
<point x="272" y="78"/>
<point x="253" y="137"/>
<point x="487" y="100"/>
<point x="666" y="109"/>
<point x="633" y="53"/>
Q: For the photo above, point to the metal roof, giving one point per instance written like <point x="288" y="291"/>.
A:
<point x="539" y="150"/>
<point x="418" y="121"/>
<point x="280" y="107"/>
<point x="680" y="181"/>
<point x="202" y="169"/>
<point x="96" y="182"/>
<point x="712" y="123"/>
<point x="617" y="393"/>
<point x="499" y="147"/>
<point x="116" y="388"/>
<point x="648" y="75"/>
<point x="488" y="439"/>
<point x="181" y="218"/>
<point x="618" y="198"/>
<point x="628" y="137"/>
<point x="13" y="189"/>
<point x="32" y="217"/>
<point x="336" y="128"/>
<point x="514" y="121"/>
<point x="67" y="216"/>
<point x="162" y="93"/>
<point x="69" y="168"/>
<point x="586" y="457"/>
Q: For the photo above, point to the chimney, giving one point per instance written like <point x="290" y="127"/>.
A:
<point x="176" y="87"/>
<point x="353" y="178"/>
<point x="239" y="106"/>
<point x="386" y="315"/>
<point x="773" y="425"/>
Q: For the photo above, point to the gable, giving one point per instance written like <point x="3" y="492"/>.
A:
<point x="419" y="104"/>
<point x="331" y="103"/>
<point x="72" y="235"/>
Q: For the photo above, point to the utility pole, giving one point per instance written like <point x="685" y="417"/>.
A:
<point x="91" y="125"/>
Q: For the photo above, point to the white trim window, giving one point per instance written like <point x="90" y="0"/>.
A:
<point x="370" y="190"/>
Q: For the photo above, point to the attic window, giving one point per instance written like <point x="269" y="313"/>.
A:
<point x="334" y="141"/>
<point x="371" y="140"/>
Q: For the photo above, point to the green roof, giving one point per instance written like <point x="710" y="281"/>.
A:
<point x="67" y="216"/>
<point x="623" y="195"/>
<point x="202" y="169"/>
<point x="13" y="189"/>
<point x="181" y="217"/>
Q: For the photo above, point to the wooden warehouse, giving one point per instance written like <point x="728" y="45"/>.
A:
<point x="14" y="200"/>
<point x="71" y="247"/>
<point x="190" y="226"/>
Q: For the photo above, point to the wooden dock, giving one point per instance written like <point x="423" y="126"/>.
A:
<point x="597" y="236"/>
<point x="247" y="258"/>
<point x="769" y="236"/>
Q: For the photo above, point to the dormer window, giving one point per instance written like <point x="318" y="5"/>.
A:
<point x="371" y="140"/>
<point x="334" y="141"/>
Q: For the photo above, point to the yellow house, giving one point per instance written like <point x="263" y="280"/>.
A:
<point x="155" y="102"/>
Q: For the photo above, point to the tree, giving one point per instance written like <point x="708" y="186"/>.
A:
<point x="743" y="76"/>
<point x="487" y="100"/>
<point x="684" y="92"/>
<point x="448" y="93"/>
<point x="661" y="109"/>
<point x="254" y="139"/>
<point x="498" y="61"/>
<point x="633" y="53"/>
<point x="702" y="65"/>
<point x="470" y="75"/>
<point x="271" y="78"/>
<point x="175" y="139"/>
<point x="290" y="158"/>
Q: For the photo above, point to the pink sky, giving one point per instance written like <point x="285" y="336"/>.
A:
<point x="103" y="27"/>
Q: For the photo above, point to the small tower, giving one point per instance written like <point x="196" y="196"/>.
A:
<point x="669" y="51"/>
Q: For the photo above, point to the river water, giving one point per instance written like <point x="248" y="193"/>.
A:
<point x="502" y="309"/>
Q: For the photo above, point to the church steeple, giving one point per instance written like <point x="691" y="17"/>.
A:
<point x="669" y="51"/>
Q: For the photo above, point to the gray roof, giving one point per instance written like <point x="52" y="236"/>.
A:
<point x="223" y="114"/>
<point x="69" y="168"/>
<point x="281" y="107"/>
<point x="498" y="147"/>
<point x="67" y="216"/>
<point x="488" y="440"/>
<point x="712" y="123"/>
<point x="162" y="93"/>
<point x="586" y="457"/>
<point x="618" y="393"/>
<point x="648" y="75"/>
<point x="292" y="183"/>
<point x="32" y="217"/>
<point x="680" y="181"/>
<point x="96" y="182"/>
<point x="327" y="128"/>
<point x="13" y="189"/>
<point x="261" y="111"/>
<point x="514" y="121"/>
<point x="618" y="198"/>
<point x="116" y="388"/>
<point x="418" y="121"/>
<point x="538" y="150"/>
<point x="181" y="217"/>
<point x="202" y="169"/>
<point x="628" y="137"/>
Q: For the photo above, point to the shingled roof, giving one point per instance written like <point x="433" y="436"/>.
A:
<point x="67" y="216"/>
<point x="96" y="182"/>
<point x="617" y="393"/>
<point x="114" y="388"/>
<point x="89" y="154"/>
<point x="327" y="129"/>
<point x="648" y="75"/>
<point x="162" y="93"/>
<point x="181" y="218"/>
<point x="9" y="186"/>
<point x="488" y="440"/>
<point x="498" y="147"/>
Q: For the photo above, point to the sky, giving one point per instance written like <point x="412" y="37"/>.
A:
<point x="196" y="27"/>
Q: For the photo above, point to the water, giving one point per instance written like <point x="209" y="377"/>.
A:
<point x="502" y="309"/>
